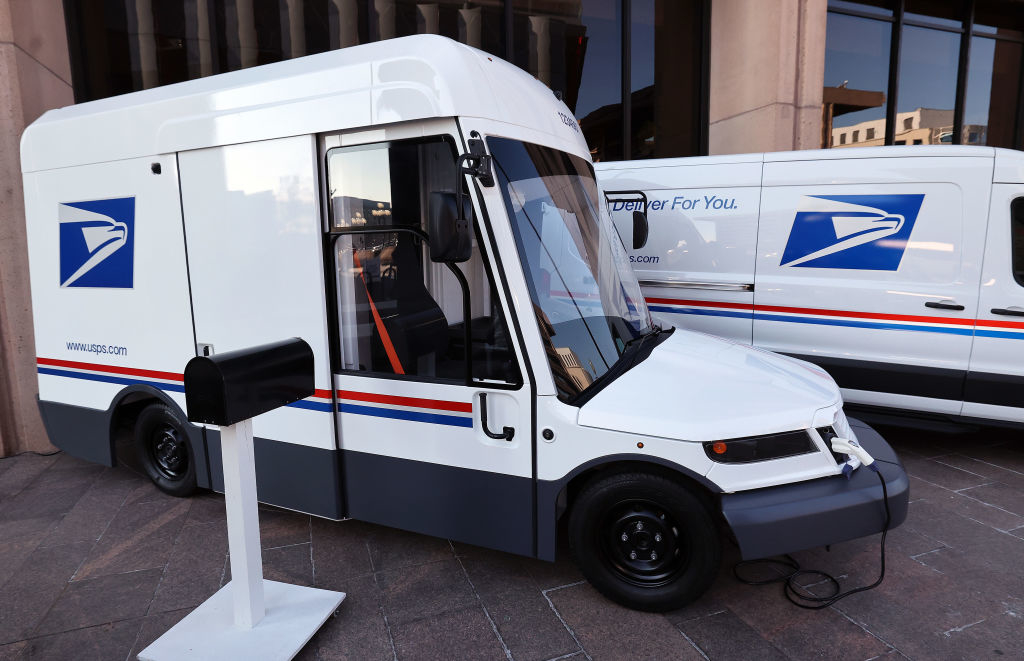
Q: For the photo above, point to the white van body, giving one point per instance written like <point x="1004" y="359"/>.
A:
<point x="291" y="200"/>
<point x="891" y="267"/>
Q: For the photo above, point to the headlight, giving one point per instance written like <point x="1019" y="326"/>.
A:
<point x="760" y="448"/>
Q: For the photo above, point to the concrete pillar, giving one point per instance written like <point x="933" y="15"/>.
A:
<point x="428" y="19"/>
<point x="383" y="23"/>
<point x="142" y="43"/>
<point x="248" y="46"/>
<point x="767" y="75"/>
<point x="344" y="23"/>
<point x="471" y="26"/>
<point x="197" y="38"/>
<point x="35" y="75"/>
<point x="296" y="28"/>
<point x="540" y="48"/>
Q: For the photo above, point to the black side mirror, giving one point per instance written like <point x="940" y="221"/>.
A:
<point x="640" y="230"/>
<point x="450" y="238"/>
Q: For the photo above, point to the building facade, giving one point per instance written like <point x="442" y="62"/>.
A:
<point x="645" y="79"/>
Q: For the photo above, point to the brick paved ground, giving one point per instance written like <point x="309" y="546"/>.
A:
<point x="95" y="563"/>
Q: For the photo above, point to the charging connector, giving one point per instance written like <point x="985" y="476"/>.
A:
<point x="852" y="447"/>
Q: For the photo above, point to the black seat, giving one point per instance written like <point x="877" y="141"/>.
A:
<point x="414" y="321"/>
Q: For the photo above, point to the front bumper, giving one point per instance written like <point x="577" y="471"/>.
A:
<point x="793" y="517"/>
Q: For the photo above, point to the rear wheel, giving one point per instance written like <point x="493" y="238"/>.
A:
<point x="644" y="541"/>
<point x="164" y="451"/>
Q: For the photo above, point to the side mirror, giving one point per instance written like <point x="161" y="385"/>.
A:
<point x="640" y="230"/>
<point x="450" y="239"/>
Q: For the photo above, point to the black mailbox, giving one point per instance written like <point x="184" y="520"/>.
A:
<point x="230" y="387"/>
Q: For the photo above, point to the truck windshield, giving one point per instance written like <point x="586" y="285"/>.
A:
<point x="588" y="303"/>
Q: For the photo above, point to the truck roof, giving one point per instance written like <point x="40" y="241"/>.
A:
<point x="388" y="81"/>
<point x="900" y="151"/>
<point x="1008" y="168"/>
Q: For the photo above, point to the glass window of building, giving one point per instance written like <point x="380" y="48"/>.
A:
<point x="957" y="78"/>
<point x="636" y="80"/>
<point x="936" y="13"/>
<point x="478" y="24"/>
<point x="856" y="75"/>
<point x="929" y="60"/>
<point x="576" y="49"/>
<point x="665" y="78"/>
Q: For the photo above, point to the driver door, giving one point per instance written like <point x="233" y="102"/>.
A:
<point x="412" y="401"/>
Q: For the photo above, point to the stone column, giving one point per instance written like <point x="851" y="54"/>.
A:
<point x="344" y="23"/>
<point x="143" y="43"/>
<point x="296" y="28"/>
<point x="471" y="26"/>
<point x="197" y="38"/>
<point x="248" y="46"/>
<point x="428" y="19"/>
<point x="35" y="75"/>
<point x="767" y="75"/>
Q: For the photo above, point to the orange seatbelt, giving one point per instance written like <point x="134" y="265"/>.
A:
<point x="389" y="348"/>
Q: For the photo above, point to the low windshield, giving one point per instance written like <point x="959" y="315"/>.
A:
<point x="587" y="300"/>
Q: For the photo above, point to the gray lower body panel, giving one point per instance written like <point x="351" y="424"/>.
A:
<point x="81" y="432"/>
<point x="804" y="515"/>
<point x="471" y="506"/>
<point x="297" y="477"/>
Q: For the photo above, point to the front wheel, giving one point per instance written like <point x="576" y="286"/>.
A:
<point x="644" y="541"/>
<point x="164" y="451"/>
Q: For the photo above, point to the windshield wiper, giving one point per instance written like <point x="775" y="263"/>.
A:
<point x="639" y="339"/>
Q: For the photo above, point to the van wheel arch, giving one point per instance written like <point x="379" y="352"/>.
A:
<point x="124" y="413"/>
<point x="576" y="481"/>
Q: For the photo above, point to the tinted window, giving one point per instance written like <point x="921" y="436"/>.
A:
<point x="398" y="312"/>
<point x="1017" y="239"/>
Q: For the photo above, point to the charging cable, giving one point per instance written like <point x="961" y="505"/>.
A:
<point x="798" y="595"/>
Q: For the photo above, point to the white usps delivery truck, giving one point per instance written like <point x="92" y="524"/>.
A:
<point x="426" y="217"/>
<point x="900" y="270"/>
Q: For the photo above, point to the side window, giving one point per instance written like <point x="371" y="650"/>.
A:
<point x="1017" y="239"/>
<point x="398" y="312"/>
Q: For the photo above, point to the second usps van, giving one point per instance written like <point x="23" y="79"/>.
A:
<point x="426" y="217"/>
<point x="900" y="270"/>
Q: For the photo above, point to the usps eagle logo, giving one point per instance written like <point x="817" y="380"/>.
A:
<point x="97" y="243"/>
<point x="867" y="232"/>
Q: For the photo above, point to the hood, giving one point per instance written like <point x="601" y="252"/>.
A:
<point x="697" y="387"/>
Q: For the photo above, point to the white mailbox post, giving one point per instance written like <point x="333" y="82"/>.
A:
<point x="250" y="617"/>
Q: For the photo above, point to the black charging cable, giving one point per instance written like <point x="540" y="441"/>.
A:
<point x="800" y="596"/>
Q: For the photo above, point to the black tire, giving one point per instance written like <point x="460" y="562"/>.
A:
<point x="164" y="451"/>
<point x="676" y="545"/>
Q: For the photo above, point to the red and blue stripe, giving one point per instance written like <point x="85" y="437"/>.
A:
<point x="1013" y="330"/>
<point x="416" y="409"/>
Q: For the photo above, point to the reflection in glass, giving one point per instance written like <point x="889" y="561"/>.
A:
<point x="478" y="24"/>
<point x="940" y="13"/>
<point x="575" y="48"/>
<point x="929" y="60"/>
<point x="856" y="79"/>
<point x="875" y="7"/>
<point x="588" y="303"/>
<point x="1004" y="18"/>
<point x="665" y="78"/>
<point x="360" y="187"/>
<point x="993" y="84"/>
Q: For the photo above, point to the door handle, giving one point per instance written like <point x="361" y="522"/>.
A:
<point x="1008" y="311"/>
<point x="506" y="432"/>
<point x="943" y="305"/>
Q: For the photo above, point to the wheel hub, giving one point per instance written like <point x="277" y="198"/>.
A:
<point x="169" y="452"/>
<point x="642" y="543"/>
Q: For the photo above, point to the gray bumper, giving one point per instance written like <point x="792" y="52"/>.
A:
<point x="793" y="517"/>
